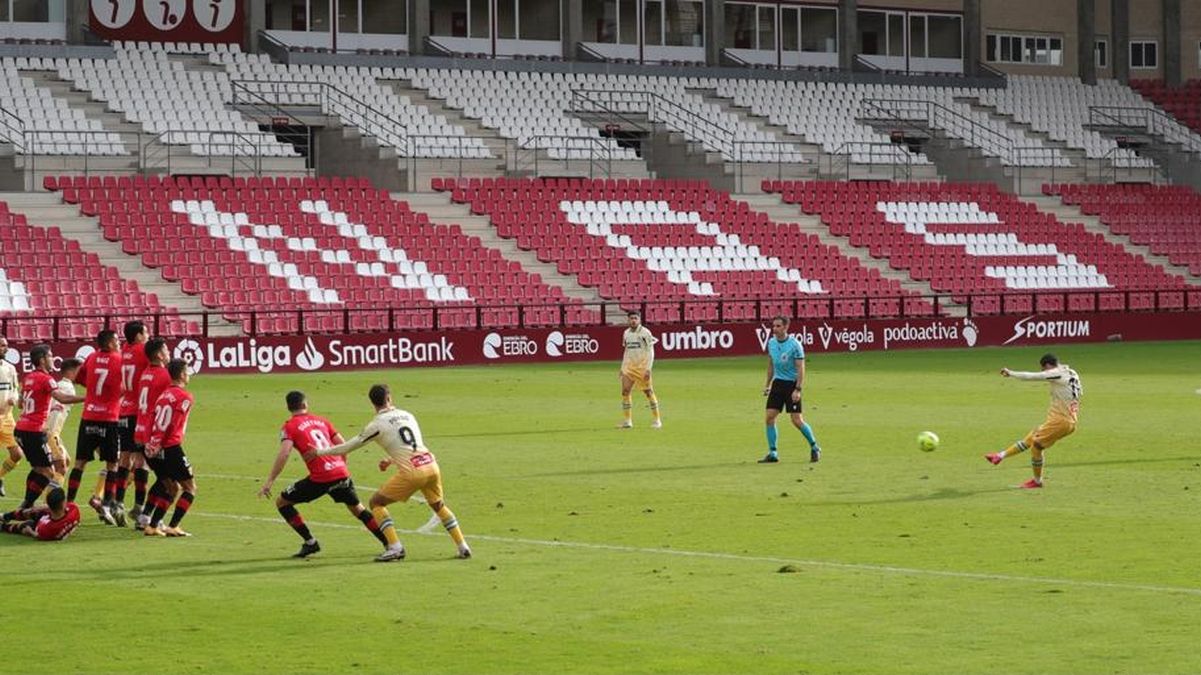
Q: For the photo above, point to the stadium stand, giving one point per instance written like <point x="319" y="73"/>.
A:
<point x="974" y="240"/>
<point x="273" y="246"/>
<point x="51" y="126"/>
<point x="1183" y="103"/>
<point x="44" y="275"/>
<point x="670" y="241"/>
<point x="1166" y="219"/>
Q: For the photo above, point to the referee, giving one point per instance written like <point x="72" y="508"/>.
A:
<point x="785" y="377"/>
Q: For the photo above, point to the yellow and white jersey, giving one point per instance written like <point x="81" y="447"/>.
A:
<point x="1066" y="388"/>
<point x="59" y="412"/>
<point x="9" y="387"/>
<point x="397" y="432"/>
<point x="639" y="355"/>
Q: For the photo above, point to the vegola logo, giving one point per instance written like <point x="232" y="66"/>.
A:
<point x="190" y="352"/>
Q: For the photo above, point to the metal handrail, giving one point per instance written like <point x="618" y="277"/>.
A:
<point x="14" y="125"/>
<point x="591" y="53"/>
<point x="1152" y="121"/>
<point x="826" y="306"/>
<point x="599" y="159"/>
<point x="662" y="110"/>
<point x="842" y="158"/>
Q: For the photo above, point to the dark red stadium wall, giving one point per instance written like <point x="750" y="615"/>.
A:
<point x="324" y="353"/>
<point x="169" y="20"/>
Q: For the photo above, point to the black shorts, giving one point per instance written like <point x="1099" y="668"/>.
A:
<point x="95" y="436"/>
<point x="174" y="465"/>
<point x="305" y="490"/>
<point x="125" y="427"/>
<point x="780" y="396"/>
<point x="33" y="444"/>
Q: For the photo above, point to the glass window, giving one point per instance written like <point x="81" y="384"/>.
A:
<point x="385" y="16"/>
<point x="819" y="29"/>
<point x="627" y="22"/>
<point x="540" y="20"/>
<point x="685" y="23"/>
<point x="319" y="17"/>
<point x="896" y="34"/>
<point x="479" y="19"/>
<point x="1055" y="57"/>
<point x="3" y="11"/>
<point x="1007" y="49"/>
<point x="506" y="19"/>
<point x="871" y="33"/>
<point x="1144" y="54"/>
<point x="917" y="35"/>
<point x="944" y="37"/>
<point x="348" y="16"/>
<point x="767" y="27"/>
<point x="449" y="18"/>
<point x="600" y="21"/>
<point x="1101" y="53"/>
<point x="790" y="29"/>
<point x="652" y="22"/>
<point x="990" y="47"/>
<point x="34" y="11"/>
<point x="740" y="22"/>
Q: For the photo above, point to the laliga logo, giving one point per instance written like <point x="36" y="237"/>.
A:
<point x="491" y="343"/>
<point x="190" y="352"/>
<point x="310" y="358"/>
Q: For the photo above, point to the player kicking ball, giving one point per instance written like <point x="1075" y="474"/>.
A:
<point x="1061" y="416"/>
<point x="307" y="433"/>
<point x="397" y="432"/>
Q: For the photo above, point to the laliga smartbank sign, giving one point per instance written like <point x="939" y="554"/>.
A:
<point x="361" y="351"/>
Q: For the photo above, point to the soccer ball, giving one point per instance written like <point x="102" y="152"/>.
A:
<point x="927" y="441"/>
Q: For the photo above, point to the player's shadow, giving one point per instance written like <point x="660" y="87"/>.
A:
<point x="534" y="432"/>
<point x="198" y="568"/>
<point x="1123" y="462"/>
<point x="627" y="470"/>
<point x="943" y="494"/>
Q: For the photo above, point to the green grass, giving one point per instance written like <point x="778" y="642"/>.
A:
<point x="600" y="550"/>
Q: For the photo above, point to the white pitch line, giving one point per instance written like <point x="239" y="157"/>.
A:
<point x="710" y="555"/>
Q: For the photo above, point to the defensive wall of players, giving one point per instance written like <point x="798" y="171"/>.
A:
<point x="326" y="353"/>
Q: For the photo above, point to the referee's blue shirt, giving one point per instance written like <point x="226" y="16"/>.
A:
<point x="784" y="356"/>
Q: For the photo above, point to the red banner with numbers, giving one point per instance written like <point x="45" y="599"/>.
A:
<point x="168" y="20"/>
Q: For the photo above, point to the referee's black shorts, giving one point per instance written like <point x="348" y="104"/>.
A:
<point x="780" y="396"/>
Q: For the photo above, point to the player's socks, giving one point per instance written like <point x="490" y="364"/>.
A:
<point x="34" y="485"/>
<point x="452" y="525"/>
<point x="73" y="480"/>
<point x="157" y="504"/>
<point x="120" y="483"/>
<point x="110" y="486"/>
<point x="293" y="518"/>
<point x="627" y="408"/>
<point x="8" y="465"/>
<point x="101" y="483"/>
<point x="1036" y="464"/>
<point x="372" y="524"/>
<point x="386" y="526"/>
<point x="807" y="432"/>
<point x="1016" y="449"/>
<point x="181" y="508"/>
<point x="773" y="435"/>
<point x="654" y="401"/>
<point x="140" y="478"/>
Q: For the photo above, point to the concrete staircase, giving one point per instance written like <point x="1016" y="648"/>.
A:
<point x="779" y="212"/>
<point x="47" y="210"/>
<point x="441" y="209"/>
<point x="1074" y="174"/>
<point x="1072" y="214"/>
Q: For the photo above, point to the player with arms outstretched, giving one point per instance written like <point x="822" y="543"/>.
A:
<point x="165" y="450"/>
<point x="397" y="432"/>
<point x="636" y="363"/>
<point x="1061" y="416"/>
<point x="307" y="433"/>
<point x="53" y="522"/>
<point x="131" y="459"/>
<point x="37" y="390"/>
<point x="60" y="457"/>
<point x="785" y="379"/>
<point x="101" y="376"/>
<point x="10" y="392"/>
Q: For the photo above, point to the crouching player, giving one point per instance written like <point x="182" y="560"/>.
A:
<point x="397" y="432"/>
<point x="165" y="453"/>
<point x="52" y="522"/>
<point x="308" y="433"/>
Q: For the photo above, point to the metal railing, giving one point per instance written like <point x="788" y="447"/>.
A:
<point x="878" y="159"/>
<point x="781" y="158"/>
<point x="590" y="156"/>
<point x="714" y="136"/>
<point x="1109" y="169"/>
<point x="1150" y="121"/>
<point x="82" y="325"/>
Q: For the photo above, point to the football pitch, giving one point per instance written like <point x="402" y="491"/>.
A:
<point x="672" y="550"/>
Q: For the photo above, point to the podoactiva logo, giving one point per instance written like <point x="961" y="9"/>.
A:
<point x="191" y="353"/>
<point x="311" y="358"/>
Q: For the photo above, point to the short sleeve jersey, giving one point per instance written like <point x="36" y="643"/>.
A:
<point x="171" y="417"/>
<point x="59" y="411"/>
<point x="101" y="374"/>
<point x="49" y="529"/>
<point x="311" y="432"/>
<point x="35" y="400"/>
<point x="639" y="353"/>
<point x="8" y="385"/>
<point x="397" y="432"/>
<point x="784" y="355"/>
<point x="151" y="385"/>
<point x="133" y="364"/>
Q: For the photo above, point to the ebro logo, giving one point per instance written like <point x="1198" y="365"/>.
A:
<point x="558" y="344"/>
<point x="498" y="346"/>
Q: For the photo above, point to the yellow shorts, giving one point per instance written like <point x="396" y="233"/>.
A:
<point x="401" y="486"/>
<point x="1055" y="428"/>
<point x="7" y="426"/>
<point x="640" y="378"/>
<point x="58" y="451"/>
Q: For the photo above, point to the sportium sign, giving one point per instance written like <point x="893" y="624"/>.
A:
<point x="327" y="353"/>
